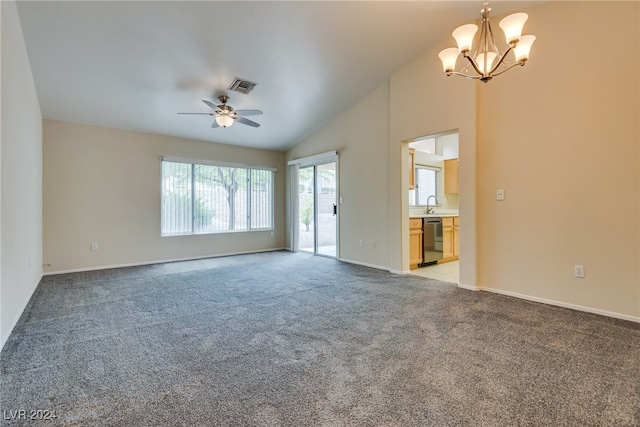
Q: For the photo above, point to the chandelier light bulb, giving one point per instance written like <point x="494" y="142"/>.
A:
<point x="512" y="27"/>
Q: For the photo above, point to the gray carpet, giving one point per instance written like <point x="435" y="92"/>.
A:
<point x="283" y="339"/>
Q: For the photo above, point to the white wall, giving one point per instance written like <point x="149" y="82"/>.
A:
<point x="103" y="185"/>
<point x="424" y="101"/>
<point x="556" y="135"/>
<point x="20" y="175"/>
<point x="360" y="135"/>
<point x="561" y="137"/>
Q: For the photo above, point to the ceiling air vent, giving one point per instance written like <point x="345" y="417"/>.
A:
<point x="242" y="86"/>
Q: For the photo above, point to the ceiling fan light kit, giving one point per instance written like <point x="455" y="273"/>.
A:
<point x="226" y="116"/>
<point x="486" y="59"/>
<point x="224" y="120"/>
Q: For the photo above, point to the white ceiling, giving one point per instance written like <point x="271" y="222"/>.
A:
<point x="134" y="65"/>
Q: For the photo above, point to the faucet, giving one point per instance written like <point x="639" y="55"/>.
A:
<point x="430" y="210"/>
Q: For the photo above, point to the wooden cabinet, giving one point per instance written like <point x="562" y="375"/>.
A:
<point x="450" y="239"/>
<point x="456" y="240"/>
<point x="415" y="242"/>
<point x="412" y="167"/>
<point x="451" y="176"/>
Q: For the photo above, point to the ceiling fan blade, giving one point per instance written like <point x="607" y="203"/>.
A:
<point x="206" y="114"/>
<point x="249" y="112"/>
<point x="210" y="104"/>
<point x="215" y="124"/>
<point x="247" y="122"/>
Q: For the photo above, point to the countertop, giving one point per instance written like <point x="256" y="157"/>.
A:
<point x="433" y="215"/>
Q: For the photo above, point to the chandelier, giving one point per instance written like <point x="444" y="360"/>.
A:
<point x="487" y="61"/>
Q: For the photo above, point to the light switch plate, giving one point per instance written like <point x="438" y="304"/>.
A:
<point x="500" y="194"/>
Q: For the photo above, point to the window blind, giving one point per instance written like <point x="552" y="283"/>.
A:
<point x="211" y="198"/>
<point x="426" y="184"/>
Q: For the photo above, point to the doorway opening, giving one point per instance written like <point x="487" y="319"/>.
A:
<point x="433" y="199"/>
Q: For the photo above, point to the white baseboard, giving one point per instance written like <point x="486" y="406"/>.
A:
<point x="400" y="272"/>
<point x="136" y="264"/>
<point x="564" y="304"/>
<point x="379" y="267"/>
<point x="364" y="264"/>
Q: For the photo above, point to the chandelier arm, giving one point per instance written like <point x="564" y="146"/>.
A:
<point x="475" y="66"/>
<point x="508" y="68"/>
<point x="502" y="57"/>
<point x="464" y="75"/>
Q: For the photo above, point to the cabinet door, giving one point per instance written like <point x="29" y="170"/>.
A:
<point x="415" y="248"/>
<point x="447" y="237"/>
<point x="412" y="169"/>
<point x="451" y="176"/>
<point x="456" y="240"/>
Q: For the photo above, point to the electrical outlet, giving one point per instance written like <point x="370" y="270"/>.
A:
<point x="373" y="245"/>
<point x="578" y="271"/>
<point x="361" y="243"/>
<point x="94" y="246"/>
<point x="500" y="194"/>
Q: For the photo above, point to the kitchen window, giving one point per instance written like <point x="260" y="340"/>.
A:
<point x="426" y="184"/>
<point x="213" y="198"/>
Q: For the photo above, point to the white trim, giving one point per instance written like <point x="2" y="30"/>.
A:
<point x="214" y="163"/>
<point x="364" y="264"/>
<point x="564" y="304"/>
<point x="400" y="272"/>
<point x="136" y="264"/>
<point x="313" y="160"/>
<point x="294" y="205"/>
<point x="337" y="161"/>
<point x="469" y="287"/>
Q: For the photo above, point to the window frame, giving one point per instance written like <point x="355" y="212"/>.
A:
<point x="438" y="185"/>
<point x="192" y="183"/>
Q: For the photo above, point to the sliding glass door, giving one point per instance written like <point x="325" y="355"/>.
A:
<point x="317" y="209"/>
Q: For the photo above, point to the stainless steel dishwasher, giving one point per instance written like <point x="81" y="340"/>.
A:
<point x="431" y="240"/>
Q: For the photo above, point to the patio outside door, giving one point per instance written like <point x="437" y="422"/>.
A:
<point x="318" y="209"/>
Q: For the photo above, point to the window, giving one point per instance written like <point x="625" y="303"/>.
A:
<point x="211" y="198"/>
<point x="426" y="180"/>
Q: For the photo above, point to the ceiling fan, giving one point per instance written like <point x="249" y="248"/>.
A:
<point x="226" y="116"/>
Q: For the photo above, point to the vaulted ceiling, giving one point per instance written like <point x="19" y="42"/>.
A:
<point x="135" y="65"/>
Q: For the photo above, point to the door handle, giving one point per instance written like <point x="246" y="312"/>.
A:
<point x="335" y="209"/>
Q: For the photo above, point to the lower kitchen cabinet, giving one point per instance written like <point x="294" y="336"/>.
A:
<point x="415" y="242"/>
<point x="450" y="239"/>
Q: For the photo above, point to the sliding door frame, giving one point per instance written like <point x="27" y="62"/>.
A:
<point x="295" y="165"/>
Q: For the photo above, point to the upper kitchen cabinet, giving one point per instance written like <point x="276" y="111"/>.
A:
<point x="451" y="176"/>
<point x="412" y="167"/>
